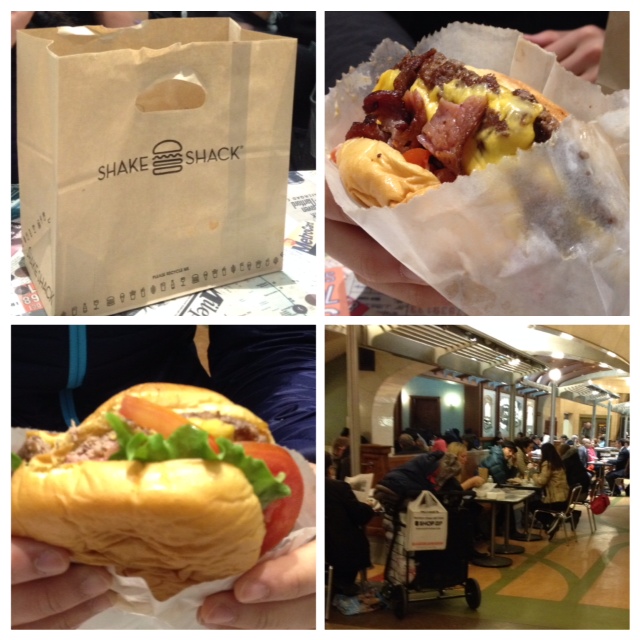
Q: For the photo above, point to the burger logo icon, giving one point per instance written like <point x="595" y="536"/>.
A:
<point x="167" y="157"/>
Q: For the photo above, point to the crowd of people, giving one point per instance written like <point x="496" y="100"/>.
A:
<point x="439" y="464"/>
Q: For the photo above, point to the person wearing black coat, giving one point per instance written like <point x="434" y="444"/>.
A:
<point x="347" y="547"/>
<point x="62" y="373"/>
<point x="414" y="477"/>
<point x="575" y="470"/>
<point x="621" y="469"/>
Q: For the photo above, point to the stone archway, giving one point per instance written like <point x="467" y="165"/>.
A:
<point x="382" y="410"/>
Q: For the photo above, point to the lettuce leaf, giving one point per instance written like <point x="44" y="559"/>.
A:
<point x="16" y="461"/>
<point x="190" y="442"/>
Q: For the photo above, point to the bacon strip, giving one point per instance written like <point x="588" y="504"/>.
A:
<point x="448" y="131"/>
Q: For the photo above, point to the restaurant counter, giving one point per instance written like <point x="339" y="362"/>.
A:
<point x="290" y="292"/>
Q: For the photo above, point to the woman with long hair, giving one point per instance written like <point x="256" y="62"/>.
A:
<point x="553" y="479"/>
<point x="466" y="481"/>
<point x="523" y="455"/>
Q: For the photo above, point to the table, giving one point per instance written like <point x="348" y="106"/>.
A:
<point x="290" y="292"/>
<point x="526" y="486"/>
<point x="601" y="465"/>
<point x="511" y="497"/>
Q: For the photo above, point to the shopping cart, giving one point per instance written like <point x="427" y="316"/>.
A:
<point x="415" y="576"/>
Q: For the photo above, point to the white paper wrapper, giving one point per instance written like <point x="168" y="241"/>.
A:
<point x="138" y="609"/>
<point x="545" y="232"/>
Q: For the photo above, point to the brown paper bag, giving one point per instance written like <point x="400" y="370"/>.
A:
<point x="153" y="159"/>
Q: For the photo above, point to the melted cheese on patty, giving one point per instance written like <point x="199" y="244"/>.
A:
<point x="489" y="145"/>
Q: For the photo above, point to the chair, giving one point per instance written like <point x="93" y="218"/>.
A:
<point x="596" y="487"/>
<point x="328" y="584"/>
<point x="559" y="517"/>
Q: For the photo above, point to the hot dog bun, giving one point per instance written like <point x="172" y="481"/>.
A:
<point x="174" y="523"/>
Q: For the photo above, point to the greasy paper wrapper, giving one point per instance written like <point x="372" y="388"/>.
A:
<point x="545" y="232"/>
<point x="136" y="608"/>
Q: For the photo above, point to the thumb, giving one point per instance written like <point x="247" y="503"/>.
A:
<point x="286" y="578"/>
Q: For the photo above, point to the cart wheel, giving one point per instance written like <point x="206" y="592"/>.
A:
<point x="472" y="593"/>
<point x="399" y="601"/>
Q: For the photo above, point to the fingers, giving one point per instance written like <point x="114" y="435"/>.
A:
<point x="54" y="598"/>
<point x="225" y="612"/>
<point x="331" y="210"/>
<point x="377" y="268"/>
<point x="357" y="250"/>
<point x="578" y="50"/>
<point x="285" y="578"/>
<point x="421" y="296"/>
<point x="31" y="560"/>
<point x="49" y="593"/>
<point x="277" y="594"/>
<point x="544" y="38"/>
<point x="74" y="617"/>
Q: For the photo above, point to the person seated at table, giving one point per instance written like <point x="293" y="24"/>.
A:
<point x="501" y="462"/>
<point x="498" y="440"/>
<point x="621" y="469"/>
<point x="347" y="547"/>
<point x="576" y="472"/>
<point x="553" y="479"/>
<point x="467" y="478"/>
<point x="536" y="440"/>
<point x="408" y="481"/>
<point x="341" y="456"/>
<point x="592" y="456"/>
<point x="438" y="443"/>
<point x="471" y="440"/>
<point x="603" y="441"/>
<point x="407" y="444"/>
<point x="523" y="455"/>
<point x="564" y="439"/>
<point x="445" y="481"/>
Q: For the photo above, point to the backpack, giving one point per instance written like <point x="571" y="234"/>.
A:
<point x="600" y="503"/>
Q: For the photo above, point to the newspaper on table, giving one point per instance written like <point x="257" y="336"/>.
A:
<point x="290" y="292"/>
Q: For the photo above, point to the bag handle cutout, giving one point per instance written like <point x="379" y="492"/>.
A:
<point x="176" y="94"/>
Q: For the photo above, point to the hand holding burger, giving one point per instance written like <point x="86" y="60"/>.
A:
<point x="48" y="592"/>
<point x="371" y="263"/>
<point x="157" y="484"/>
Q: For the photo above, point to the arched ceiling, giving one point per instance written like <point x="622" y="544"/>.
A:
<point x="590" y="358"/>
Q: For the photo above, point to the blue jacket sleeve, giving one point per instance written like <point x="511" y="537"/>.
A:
<point x="271" y="370"/>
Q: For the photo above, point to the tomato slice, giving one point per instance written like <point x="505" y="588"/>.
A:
<point x="149" y="415"/>
<point x="417" y="156"/>
<point x="280" y="516"/>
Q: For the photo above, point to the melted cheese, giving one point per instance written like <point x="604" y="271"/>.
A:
<point x="489" y="145"/>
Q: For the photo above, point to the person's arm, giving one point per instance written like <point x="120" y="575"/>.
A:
<point x="578" y="50"/>
<point x="373" y="265"/>
<point x="116" y="19"/>
<point x="270" y="370"/>
<point x="19" y="20"/>
<point x="542" y="478"/>
<point x="47" y="592"/>
<point x="470" y="483"/>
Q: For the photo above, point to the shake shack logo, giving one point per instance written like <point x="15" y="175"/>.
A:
<point x="168" y="156"/>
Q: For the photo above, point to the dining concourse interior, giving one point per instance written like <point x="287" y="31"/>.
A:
<point x="545" y="546"/>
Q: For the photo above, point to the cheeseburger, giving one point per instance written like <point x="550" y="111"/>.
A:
<point x="431" y="119"/>
<point x="171" y="483"/>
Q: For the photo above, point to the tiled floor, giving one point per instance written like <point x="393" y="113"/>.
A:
<point x="581" y="584"/>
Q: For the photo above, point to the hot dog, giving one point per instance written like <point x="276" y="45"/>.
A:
<point x="167" y="482"/>
<point x="430" y="120"/>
